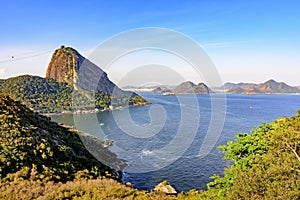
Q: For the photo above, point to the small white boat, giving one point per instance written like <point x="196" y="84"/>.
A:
<point x="168" y="93"/>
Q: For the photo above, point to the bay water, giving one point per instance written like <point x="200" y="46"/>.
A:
<point x="180" y="163"/>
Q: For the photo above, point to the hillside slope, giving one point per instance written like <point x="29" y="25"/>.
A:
<point x="40" y="159"/>
<point x="42" y="149"/>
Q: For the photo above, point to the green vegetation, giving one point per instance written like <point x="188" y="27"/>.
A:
<point x="101" y="188"/>
<point x="2" y="81"/>
<point x="266" y="164"/>
<point x="41" y="160"/>
<point x="32" y="147"/>
<point x="45" y="95"/>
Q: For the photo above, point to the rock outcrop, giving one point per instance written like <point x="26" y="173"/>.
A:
<point x="67" y="65"/>
<point x="64" y="64"/>
<point x="165" y="187"/>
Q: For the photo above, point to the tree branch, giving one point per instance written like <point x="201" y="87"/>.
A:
<point x="294" y="151"/>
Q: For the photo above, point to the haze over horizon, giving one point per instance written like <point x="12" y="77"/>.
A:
<point x="248" y="41"/>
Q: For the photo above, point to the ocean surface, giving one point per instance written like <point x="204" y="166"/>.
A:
<point x="162" y="141"/>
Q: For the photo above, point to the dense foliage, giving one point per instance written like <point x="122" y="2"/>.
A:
<point x="40" y="159"/>
<point x="266" y="164"/>
<point x="32" y="145"/>
<point x="46" y="95"/>
<point x="80" y="188"/>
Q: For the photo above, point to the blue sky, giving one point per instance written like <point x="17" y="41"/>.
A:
<point x="249" y="41"/>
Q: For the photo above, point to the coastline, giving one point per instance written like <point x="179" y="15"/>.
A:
<point x="96" y="110"/>
<point x="213" y="92"/>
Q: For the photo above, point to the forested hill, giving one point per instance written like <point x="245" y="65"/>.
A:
<point x="40" y="149"/>
<point x="40" y="159"/>
<point x="45" y="95"/>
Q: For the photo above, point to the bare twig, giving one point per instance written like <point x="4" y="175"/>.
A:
<point x="294" y="151"/>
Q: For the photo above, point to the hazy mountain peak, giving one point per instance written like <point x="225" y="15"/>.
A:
<point x="187" y="84"/>
<point x="271" y="81"/>
<point x="270" y="86"/>
<point x="190" y="87"/>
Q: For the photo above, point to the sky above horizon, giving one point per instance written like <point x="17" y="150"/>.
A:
<point x="248" y="41"/>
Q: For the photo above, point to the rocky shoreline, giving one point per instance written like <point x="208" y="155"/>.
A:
<point x="96" y="110"/>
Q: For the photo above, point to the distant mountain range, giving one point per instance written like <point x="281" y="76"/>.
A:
<point x="187" y="87"/>
<point x="268" y="87"/>
<point x="74" y="71"/>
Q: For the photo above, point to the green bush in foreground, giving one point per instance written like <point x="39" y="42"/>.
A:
<point x="101" y="188"/>
<point x="266" y="164"/>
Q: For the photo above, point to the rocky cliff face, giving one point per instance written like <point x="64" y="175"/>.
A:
<point x="68" y="66"/>
<point x="64" y="64"/>
<point x="165" y="187"/>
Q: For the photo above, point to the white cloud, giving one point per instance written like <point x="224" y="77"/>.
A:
<point x="224" y="44"/>
<point x="2" y="71"/>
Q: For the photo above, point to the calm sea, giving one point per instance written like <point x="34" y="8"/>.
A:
<point x="160" y="142"/>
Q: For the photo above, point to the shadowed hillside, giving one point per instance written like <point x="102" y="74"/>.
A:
<point x="32" y="143"/>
